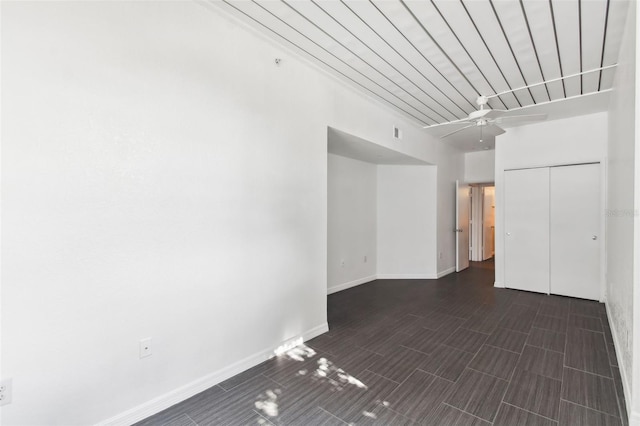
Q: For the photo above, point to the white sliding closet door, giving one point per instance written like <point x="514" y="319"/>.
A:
<point x="527" y="229"/>
<point x="575" y="228"/>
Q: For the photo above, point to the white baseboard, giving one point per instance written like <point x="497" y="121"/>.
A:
<point x="165" y="401"/>
<point x="344" y="286"/>
<point x="623" y="368"/>
<point x="446" y="272"/>
<point x="498" y="284"/>
<point x="406" y="277"/>
<point x="368" y="279"/>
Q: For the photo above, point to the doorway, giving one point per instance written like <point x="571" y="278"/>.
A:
<point x="475" y="226"/>
<point x="482" y="222"/>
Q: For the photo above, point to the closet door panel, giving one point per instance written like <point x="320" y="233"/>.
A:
<point x="527" y="229"/>
<point x="575" y="228"/>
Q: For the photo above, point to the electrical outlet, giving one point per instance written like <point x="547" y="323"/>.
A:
<point x="342" y="263"/>
<point x="145" y="347"/>
<point x="5" y="392"/>
<point x="440" y="255"/>
<point x="365" y="259"/>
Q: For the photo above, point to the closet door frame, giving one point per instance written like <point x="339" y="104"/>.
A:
<point x="603" y="217"/>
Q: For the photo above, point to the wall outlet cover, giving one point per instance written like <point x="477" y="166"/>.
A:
<point x="6" y="387"/>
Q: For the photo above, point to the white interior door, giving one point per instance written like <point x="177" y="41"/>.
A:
<point x="526" y="238"/>
<point x="463" y="205"/>
<point x="476" y="224"/>
<point x="575" y="228"/>
<point x="488" y="222"/>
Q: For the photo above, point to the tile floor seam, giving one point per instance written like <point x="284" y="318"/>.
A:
<point x="410" y="374"/>
<point x="417" y="350"/>
<point x="508" y="350"/>
<point x="588" y="408"/>
<point x="536" y="414"/>
<point x="466" y="412"/>
<point x="384" y="377"/>
<point x="589" y="372"/>
<point x="458" y="349"/>
<point x="269" y="378"/>
<point x="262" y="417"/>
<point x="488" y="374"/>
<point x="564" y="364"/>
<point x="332" y="415"/>
<point x="400" y="414"/>
<point x="503" y="394"/>
<point x="509" y="383"/>
<point x="543" y="346"/>
<point x="583" y="315"/>
<point x="541" y="374"/>
<point x="440" y="377"/>
<point x="190" y="418"/>
<point x="475" y="331"/>
<point x="586" y="329"/>
<point x="474" y="357"/>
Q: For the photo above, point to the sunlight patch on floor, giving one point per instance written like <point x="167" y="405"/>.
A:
<point x="326" y="372"/>
<point x="288" y="346"/>
<point x="269" y="405"/>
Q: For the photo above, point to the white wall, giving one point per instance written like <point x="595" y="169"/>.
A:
<point x="622" y="214"/>
<point x="407" y="223"/>
<point x="573" y="140"/>
<point x="480" y="166"/>
<point x="162" y="177"/>
<point x="352" y="222"/>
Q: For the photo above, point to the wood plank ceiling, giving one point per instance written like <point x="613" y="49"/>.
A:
<point x="431" y="59"/>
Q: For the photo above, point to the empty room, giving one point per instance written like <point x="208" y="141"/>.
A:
<point x="319" y="212"/>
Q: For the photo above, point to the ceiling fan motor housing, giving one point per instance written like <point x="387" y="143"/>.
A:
<point x="482" y="101"/>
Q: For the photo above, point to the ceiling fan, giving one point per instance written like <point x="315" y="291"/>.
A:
<point x="488" y="120"/>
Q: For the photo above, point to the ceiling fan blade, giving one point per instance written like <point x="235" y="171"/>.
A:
<point x="529" y="117"/>
<point x="494" y="130"/>
<point x="461" y="121"/>
<point x="495" y="113"/>
<point x="458" y="130"/>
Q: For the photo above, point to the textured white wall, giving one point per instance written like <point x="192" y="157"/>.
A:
<point x="573" y="140"/>
<point x="407" y="223"/>
<point x="162" y="177"/>
<point x="480" y="166"/>
<point x="622" y="209"/>
<point x="352" y="222"/>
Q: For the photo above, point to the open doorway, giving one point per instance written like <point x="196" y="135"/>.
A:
<point x="482" y="225"/>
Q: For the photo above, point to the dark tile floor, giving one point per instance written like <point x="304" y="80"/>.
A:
<point x="455" y="351"/>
